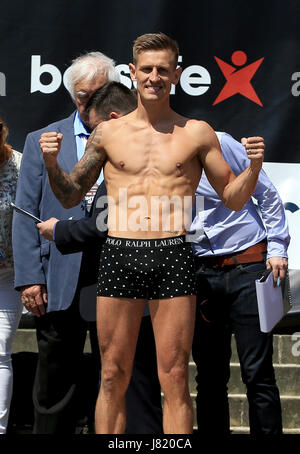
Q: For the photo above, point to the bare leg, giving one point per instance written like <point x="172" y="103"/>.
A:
<point x="118" y="323"/>
<point x="173" y="324"/>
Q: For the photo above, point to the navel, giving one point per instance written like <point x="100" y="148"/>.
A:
<point x="179" y="169"/>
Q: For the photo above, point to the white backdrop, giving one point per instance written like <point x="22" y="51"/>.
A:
<point x="286" y="178"/>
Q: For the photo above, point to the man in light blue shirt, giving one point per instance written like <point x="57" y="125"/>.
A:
<point x="232" y="250"/>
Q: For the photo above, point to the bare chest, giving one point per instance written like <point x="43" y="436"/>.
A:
<point x="151" y="153"/>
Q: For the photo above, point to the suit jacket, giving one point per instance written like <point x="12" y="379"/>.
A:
<point x="37" y="260"/>
<point x="83" y="235"/>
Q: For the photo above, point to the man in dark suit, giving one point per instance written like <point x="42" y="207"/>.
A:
<point x="48" y="281"/>
<point x="143" y="398"/>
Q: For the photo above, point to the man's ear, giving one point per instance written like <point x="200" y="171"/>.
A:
<point x="114" y="115"/>
<point x="132" y="71"/>
<point x="178" y="72"/>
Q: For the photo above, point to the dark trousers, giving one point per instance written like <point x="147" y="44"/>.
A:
<point x="67" y="382"/>
<point x="226" y="304"/>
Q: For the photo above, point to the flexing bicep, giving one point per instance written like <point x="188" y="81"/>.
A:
<point x="217" y="170"/>
<point x="87" y="170"/>
<point x="233" y="191"/>
<point x="70" y="189"/>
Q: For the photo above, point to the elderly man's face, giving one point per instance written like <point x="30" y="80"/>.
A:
<point x="83" y="90"/>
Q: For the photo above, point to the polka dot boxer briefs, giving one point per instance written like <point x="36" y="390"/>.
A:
<point x="147" y="269"/>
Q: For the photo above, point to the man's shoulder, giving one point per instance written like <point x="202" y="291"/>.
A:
<point x="194" y="124"/>
<point x="200" y="130"/>
<point x="56" y="125"/>
<point x="113" y="127"/>
<point x="116" y="123"/>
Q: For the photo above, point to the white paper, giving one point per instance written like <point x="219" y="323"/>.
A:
<point x="272" y="306"/>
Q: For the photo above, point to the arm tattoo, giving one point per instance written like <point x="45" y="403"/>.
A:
<point x="70" y="189"/>
<point x="95" y="137"/>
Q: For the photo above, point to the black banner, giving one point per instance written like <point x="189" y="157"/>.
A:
<point x="240" y="60"/>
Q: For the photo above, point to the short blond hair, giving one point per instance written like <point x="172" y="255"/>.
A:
<point x="154" y="41"/>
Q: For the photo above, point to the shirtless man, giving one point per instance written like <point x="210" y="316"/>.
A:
<point x="149" y="154"/>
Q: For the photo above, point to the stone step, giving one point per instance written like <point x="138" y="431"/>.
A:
<point x="238" y="405"/>
<point x="286" y="349"/>
<point x="239" y="411"/>
<point x="286" y="346"/>
<point x="25" y="341"/>
<point x="235" y="430"/>
<point x="287" y="378"/>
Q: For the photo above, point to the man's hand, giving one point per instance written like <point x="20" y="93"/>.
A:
<point x="50" y="143"/>
<point x="255" y="148"/>
<point x="34" y="298"/>
<point x="279" y="266"/>
<point x="46" y="228"/>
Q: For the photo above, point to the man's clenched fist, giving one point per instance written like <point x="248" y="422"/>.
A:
<point x="255" y="148"/>
<point x="50" y="143"/>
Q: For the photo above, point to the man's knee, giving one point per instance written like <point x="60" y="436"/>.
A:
<point x="174" y="379"/>
<point x="114" y="378"/>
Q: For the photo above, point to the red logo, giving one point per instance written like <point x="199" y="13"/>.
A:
<point x="238" y="80"/>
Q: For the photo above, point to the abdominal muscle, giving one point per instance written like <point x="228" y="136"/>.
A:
<point x="149" y="206"/>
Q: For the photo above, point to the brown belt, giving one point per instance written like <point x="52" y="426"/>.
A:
<point x="249" y="255"/>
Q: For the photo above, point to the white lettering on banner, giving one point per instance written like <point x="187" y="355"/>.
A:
<point x="296" y="87"/>
<point x="195" y="80"/>
<point x="123" y="70"/>
<point x="173" y="87"/>
<point x="2" y="84"/>
<point x="188" y="79"/>
<point x="37" y="70"/>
